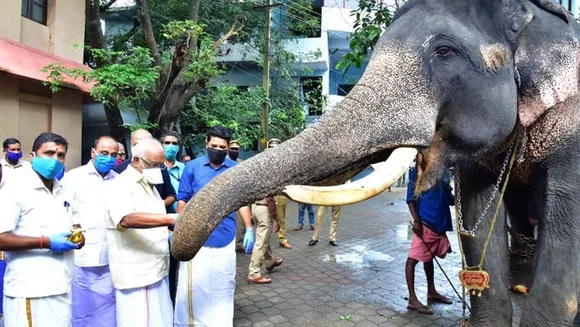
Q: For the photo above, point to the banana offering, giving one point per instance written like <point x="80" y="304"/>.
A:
<point x="76" y="236"/>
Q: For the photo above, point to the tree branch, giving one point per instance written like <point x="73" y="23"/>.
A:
<point x="194" y="10"/>
<point x="108" y="5"/>
<point x="233" y="31"/>
<point x="148" y="31"/>
<point x="194" y="16"/>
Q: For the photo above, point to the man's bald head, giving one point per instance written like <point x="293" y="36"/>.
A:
<point x="105" y="145"/>
<point x="139" y="135"/>
<point x="150" y="151"/>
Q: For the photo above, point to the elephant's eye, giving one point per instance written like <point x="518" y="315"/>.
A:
<point x="443" y="51"/>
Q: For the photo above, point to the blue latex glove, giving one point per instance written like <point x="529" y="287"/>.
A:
<point x="59" y="243"/>
<point x="170" y="237"/>
<point x="249" y="240"/>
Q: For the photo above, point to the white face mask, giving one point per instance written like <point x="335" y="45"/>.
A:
<point x="153" y="175"/>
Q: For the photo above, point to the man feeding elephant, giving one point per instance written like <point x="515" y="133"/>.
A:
<point x="490" y="88"/>
<point x="205" y="287"/>
<point x="431" y="219"/>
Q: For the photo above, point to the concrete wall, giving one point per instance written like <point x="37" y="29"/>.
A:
<point x="27" y="111"/>
<point x="65" y="27"/>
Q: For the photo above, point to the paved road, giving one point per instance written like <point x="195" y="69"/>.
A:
<point x="359" y="283"/>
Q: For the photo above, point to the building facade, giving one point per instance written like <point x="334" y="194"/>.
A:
<point x="33" y="34"/>
<point x="331" y="42"/>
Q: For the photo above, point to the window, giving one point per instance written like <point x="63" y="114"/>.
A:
<point x="344" y="89"/>
<point x="304" y="22"/>
<point x="35" y="10"/>
<point x="312" y="93"/>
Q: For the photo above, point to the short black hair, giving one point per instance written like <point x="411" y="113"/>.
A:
<point x="49" y="137"/>
<point x="219" y="132"/>
<point x="170" y="134"/>
<point x="9" y="141"/>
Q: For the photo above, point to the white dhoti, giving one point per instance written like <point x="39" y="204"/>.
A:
<point x="148" y="306"/>
<point x="205" y="288"/>
<point x="50" y="311"/>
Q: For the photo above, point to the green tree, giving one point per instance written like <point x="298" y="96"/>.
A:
<point x="371" y="19"/>
<point x="182" y="39"/>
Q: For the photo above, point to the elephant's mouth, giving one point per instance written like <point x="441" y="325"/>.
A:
<point x="385" y="174"/>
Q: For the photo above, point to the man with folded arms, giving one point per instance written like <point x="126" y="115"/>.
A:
<point x="93" y="295"/>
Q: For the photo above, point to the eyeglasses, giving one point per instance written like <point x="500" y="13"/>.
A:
<point x="152" y="165"/>
<point x="121" y="154"/>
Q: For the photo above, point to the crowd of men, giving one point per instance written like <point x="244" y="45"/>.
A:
<point x="119" y="273"/>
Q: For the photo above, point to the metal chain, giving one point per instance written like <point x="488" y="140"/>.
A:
<point x="471" y="232"/>
<point x="528" y="242"/>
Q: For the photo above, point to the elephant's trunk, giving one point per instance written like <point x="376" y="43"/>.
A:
<point x="389" y="108"/>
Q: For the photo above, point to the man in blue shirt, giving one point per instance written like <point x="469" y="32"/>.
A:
<point x="431" y="219"/>
<point x="205" y="288"/>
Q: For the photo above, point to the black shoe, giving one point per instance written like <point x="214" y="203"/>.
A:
<point x="312" y="242"/>
<point x="311" y="227"/>
<point x="333" y="243"/>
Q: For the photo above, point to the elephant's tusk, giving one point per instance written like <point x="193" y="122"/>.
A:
<point x="385" y="175"/>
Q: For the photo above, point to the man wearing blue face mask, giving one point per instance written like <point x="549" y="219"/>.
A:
<point x="175" y="168"/>
<point x="12" y="160"/>
<point x="38" y="276"/>
<point x="93" y="295"/>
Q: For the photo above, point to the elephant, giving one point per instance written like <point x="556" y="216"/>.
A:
<point x="487" y="87"/>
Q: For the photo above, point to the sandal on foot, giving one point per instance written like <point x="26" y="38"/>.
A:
<point x="422" y="309"/>
<point x="439" y="299"/>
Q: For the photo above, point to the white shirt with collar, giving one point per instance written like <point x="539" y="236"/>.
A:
<point x="29" y="209"/>
<point x="137" y="257"/>
<point x="89" y="188"/>
<point x="8" y="171"/>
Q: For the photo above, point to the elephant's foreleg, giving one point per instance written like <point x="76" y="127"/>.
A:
<point x="553" y="300"/>
<point x="517" y="199"/>
<point x="494" y="307"/>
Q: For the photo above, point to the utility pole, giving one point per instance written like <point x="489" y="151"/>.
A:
<point x="266" y="75"/>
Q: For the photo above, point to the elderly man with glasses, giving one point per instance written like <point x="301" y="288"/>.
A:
<point x="137" y="236"/>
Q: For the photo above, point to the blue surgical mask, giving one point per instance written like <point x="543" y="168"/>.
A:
<point x="14" y="156"/>
<point x="61" y="174"/>
<point x="104" y="164"/>
<point x="47" y="167"/>
<point x="171" y="151"/>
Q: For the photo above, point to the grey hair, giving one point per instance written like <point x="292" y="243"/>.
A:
<point x="138" y="151"/>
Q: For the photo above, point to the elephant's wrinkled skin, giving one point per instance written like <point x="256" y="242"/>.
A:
<point x="455" y="79"/>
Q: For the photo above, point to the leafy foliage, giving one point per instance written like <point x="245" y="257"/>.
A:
<point x="239" y="111"/>
<point x="125" y="75"/>
<point x="161" y="69"/>
<point x="371" y="19"/>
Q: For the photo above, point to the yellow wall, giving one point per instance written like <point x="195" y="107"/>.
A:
<point x="25" y="115"/>
<point x="26" y="107"/>
<point x="65" y="27"/>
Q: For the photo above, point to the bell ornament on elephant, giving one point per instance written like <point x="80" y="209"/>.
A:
<point x="463" y="82"/>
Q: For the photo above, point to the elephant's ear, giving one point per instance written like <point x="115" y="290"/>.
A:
<point x="546" y="57"/>
<point x="551" y="7"/>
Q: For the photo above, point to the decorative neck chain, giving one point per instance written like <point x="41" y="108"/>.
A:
<point x="461" y="227"/>
<point x="473" y="278"/>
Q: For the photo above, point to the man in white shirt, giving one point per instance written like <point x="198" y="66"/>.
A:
<point x="93" y="295"/>
<point x="36" y="221"/>
<point x="12" y="160"/>
<point x="137" y="237"/>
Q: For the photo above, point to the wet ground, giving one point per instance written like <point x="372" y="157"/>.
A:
<point x="359" y="283"/>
